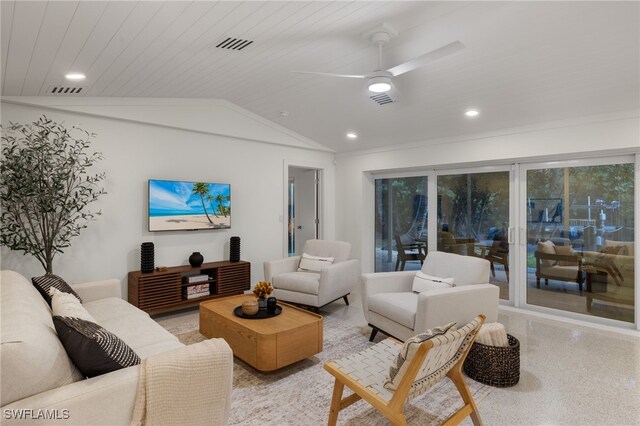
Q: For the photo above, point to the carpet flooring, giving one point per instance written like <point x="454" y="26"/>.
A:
<point x="301" y="393"/>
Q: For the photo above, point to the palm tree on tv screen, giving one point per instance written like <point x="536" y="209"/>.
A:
<point x="202" y="189"/>
<point x="210" y="200"/>
<point x="220" y="199"/>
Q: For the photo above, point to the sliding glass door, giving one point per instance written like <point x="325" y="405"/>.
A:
<point x="580" y="230"/>
<point x="574" y="250"/>
<point x="400" y="223"/>
<point x="474" y="216"/>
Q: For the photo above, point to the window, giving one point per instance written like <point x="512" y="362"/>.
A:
<point x="400" y="223"/>
<point x="580" y="239"/>
<point x="473" y="220"/>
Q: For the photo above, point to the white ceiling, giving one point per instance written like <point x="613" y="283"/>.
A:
<point x="524" y="62"/>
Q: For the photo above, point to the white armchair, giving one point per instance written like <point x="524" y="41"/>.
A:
<point x="314" y="289"/>
<point x="390" y="306"/>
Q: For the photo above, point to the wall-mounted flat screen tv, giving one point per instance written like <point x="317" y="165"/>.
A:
<point x="188" y="206"/>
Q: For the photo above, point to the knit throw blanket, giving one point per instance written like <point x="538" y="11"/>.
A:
<point x="187" y="386"/>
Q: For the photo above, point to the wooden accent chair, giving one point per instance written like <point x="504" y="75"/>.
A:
<point x="365" y="373"/>
<point x="571" y="271"/>
<point x="551" y="263"/>
<point x="497" y="253"/>
<point x="446" y="242"/>
<point x="409" y="252"/>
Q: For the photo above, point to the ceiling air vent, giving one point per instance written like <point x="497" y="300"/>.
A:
<point x="382" y="98"/>
<point x="64" y="90"/>
<point x="232" y="43"/>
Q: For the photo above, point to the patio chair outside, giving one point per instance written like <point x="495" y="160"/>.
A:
<point x="415" y="251"/>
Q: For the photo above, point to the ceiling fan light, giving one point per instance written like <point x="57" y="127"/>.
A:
<point x="379" y="84"/>
<point x="75" y="76"/>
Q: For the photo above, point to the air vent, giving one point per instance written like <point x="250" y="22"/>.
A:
<point x="64" y="90"/>
<point x="232" y="43"/>
<point x="382" y="98"/>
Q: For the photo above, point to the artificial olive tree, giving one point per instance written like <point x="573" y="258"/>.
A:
<point x="45" y="187"/>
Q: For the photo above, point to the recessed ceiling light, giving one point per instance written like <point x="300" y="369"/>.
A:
<point x="352" y="135"/>
<point x="75" y="76"/>
<point x="471" y="113"/>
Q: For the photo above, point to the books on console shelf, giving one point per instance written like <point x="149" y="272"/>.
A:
<point x="196" y="288"/>
<point x="195" y="295"/>
<point x="195" y="278"/>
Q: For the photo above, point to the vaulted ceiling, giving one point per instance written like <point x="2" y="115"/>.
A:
<point x="523" y="62"/>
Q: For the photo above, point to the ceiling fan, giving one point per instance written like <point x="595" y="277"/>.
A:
<point x="379" y="81"/>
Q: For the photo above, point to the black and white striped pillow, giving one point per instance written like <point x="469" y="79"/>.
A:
<point x="46" y="282"/>
<point x="93" y="349"/>
<point x="408" y="351"/>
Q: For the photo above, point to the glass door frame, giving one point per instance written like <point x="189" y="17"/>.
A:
<point x="521" y="300"/>
<point x="369" y="239"/>
<point x="512" y="235"/>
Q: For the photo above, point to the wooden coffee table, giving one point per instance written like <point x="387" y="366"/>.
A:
<point x="265" y="344"/>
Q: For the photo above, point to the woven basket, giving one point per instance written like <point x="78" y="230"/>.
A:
<point x="497" y="366"/>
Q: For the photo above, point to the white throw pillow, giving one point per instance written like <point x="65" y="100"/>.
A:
<point x="310" y="263"/>
<point x="547" y="247"/>
<point x="68" y="305"/>
<point x="423" y="282"/>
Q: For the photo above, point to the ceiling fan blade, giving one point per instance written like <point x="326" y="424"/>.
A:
<point x="327" y="74"/>
<point x="423" y="60"/>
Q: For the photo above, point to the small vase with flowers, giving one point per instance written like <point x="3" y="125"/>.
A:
<point x="262" y="290"/>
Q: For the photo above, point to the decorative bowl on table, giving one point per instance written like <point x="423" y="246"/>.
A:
<point x="250" y="307"/>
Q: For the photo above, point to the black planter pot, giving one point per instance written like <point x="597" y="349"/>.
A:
<point x="196" y="259"/>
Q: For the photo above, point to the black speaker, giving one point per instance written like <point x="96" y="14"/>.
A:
<point x="234" y="249"/>
<point x="147" y="254"/>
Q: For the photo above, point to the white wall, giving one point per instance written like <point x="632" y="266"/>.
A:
<point x="164" y="148"/>
<point x="590" y="136"/>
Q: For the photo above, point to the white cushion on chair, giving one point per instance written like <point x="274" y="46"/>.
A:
<point x="423" y="282"/>
<point x="547" y="247"/>
<point x="302" y="282"/>
<point x="628" y="248"/>
<point x="568" y="272"/>
<point x="399" y="307"/>
<point x="309" y="263"/>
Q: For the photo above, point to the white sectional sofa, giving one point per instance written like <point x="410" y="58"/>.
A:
<point x="38" y="377"/>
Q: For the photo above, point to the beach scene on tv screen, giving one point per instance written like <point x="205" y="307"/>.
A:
<point x="177" y="205"/>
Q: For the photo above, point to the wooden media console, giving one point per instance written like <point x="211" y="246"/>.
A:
<point x="161" y="291"/>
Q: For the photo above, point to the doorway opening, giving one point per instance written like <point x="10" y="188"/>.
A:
<point x="303" y="208"/>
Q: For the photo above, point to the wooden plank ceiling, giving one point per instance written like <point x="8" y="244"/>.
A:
<point x="524" y="62"/>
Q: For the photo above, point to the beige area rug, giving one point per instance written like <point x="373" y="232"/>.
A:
<point x="301" y="393"/>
